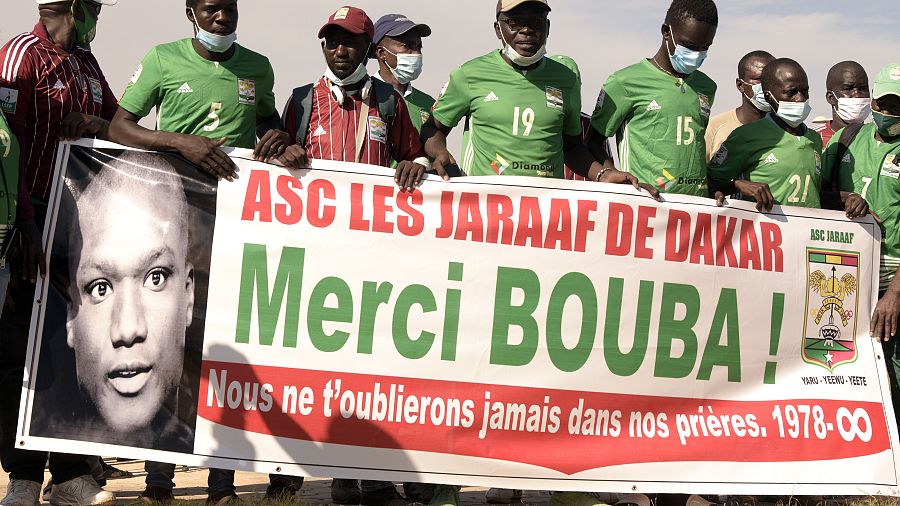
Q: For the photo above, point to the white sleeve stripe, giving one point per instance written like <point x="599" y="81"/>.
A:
<point x="15" y="54"/>
<point x="11" y="53"/>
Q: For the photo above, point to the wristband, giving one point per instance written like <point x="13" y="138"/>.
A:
<point x="423" y="161"/>
<point x="604" y="170"/>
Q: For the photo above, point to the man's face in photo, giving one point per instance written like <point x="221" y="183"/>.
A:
<point x="132" y="295"/>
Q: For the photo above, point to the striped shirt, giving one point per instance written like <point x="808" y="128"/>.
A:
<point x="40" y="83"/>
<point x="332" y="130"/>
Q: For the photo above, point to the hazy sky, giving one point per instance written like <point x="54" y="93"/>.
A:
<point x="601" y="35"/>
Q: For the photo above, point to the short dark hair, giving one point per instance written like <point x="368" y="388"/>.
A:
<point x="190" y="4"/>
<point x="771" y="71"/>
<point x="702" y="10"/>
<point x="744" y="64"/>
<point x="836" y="73"/>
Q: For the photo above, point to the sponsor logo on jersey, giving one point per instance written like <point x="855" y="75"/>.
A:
<point x="59" y="85"/>
<point x="9" y="100"/>
<point x="829" y="337"/>
<point x="341" y="13"/>
<point x="185" y="88"/>
<point x="554" y="98"/>
<point x="818" y="162"/>
<point x="891" y="167"/>
<point x="499" y="164"/>
<point x="666" y="181"/>
<point x="654" y="106"/>
<point x="247" y="91"/>
<point x="601" y="99"/>
<point x="720" y="156"/>
<point x="705" y="105"/>
<point x="96" y="90"/>
<point x="319" y="132"/>
<point x="137" y="74"/>
<point x="377" y="129"/>
<point x="771" y="159"/>
<point x="491" y="97"/>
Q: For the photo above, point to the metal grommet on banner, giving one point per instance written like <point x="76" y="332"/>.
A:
<point x="21" y="443"/>
<point x="278" y="469"/>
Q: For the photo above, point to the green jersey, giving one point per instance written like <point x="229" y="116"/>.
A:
<point x="196" y="96"/>
<point x="9" y="191"/>
<point x="763" y="152"/>
<point x="419" y="105"/>
<point x="660" y="124"/>
<point x="516" y="119"/>
<point x="872" y="169"/>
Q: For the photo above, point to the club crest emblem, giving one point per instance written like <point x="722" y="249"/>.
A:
<point x="832" y="299"/>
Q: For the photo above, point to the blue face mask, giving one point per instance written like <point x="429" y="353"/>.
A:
<point x="214" y="43"/>
<point x="684" y="61"/>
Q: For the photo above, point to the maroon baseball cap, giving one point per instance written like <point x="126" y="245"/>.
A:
<point x="352" y="19"/>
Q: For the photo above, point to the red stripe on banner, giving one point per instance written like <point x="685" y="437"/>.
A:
<point x="534" y="426"/>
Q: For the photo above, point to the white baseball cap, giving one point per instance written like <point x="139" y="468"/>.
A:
<point x="103" y="2"/>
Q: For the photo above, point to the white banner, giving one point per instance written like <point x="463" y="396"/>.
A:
<point x="501" y="331"/>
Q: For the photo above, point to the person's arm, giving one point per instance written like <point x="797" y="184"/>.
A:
<point x="453" y="104"/>
<point x="614" y="106"/>
<point x="19" y="97"/>
<point x="294" y="155"/>
<point x="407" y="148"/>
<point x="580" y="160"/>
<point x="203" y="152"/>
<point x="884" y="323"/>
<point x="273" y="140"/>
<point x="725" y="166"/>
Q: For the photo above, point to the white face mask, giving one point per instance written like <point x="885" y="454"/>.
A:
<point x="214" y="43"/>
<point x="853" y="110"/>
<point x="409" y="67"/>
<point x="358" y="75"/>
<point x="759" y="97"/>
<point x="522" y="61"/>
<point x="793" y="113"/>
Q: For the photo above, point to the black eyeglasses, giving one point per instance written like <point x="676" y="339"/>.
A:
<point x="517" y="23"/>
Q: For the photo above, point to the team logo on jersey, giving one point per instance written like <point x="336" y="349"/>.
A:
<point x="601" y="99"/>
<point x="832" y="298"/>
<point x="247" y="91"/>
<point x="554" y="98"/>
<point x="9" y="100"/>
<point x="499" y="164"/>
<point x="491" y="97"/>
<point x="818" y="162"/>
<point x="891" y="167"/>
<point x="137" y="74"/>
<point x="720" y="156"/>
<point x="441" y="95"/>
<point x="705" y="105"/>
<point x="377" y="129"/>
<point x="185" y="88"/>
<point x="666" y="181"/>
<point x="96" y="90"/>
<point x="771" y="159"/>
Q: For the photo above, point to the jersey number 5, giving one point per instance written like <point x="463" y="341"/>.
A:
<point x="213" y="116"/>
<point x="686" y="133"/>
<point x="527" y="119"/>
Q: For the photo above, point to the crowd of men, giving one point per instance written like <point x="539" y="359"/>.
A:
<point x="521" y="111"/>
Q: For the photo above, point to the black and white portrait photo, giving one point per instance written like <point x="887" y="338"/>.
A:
<point x="130" y="264"/>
